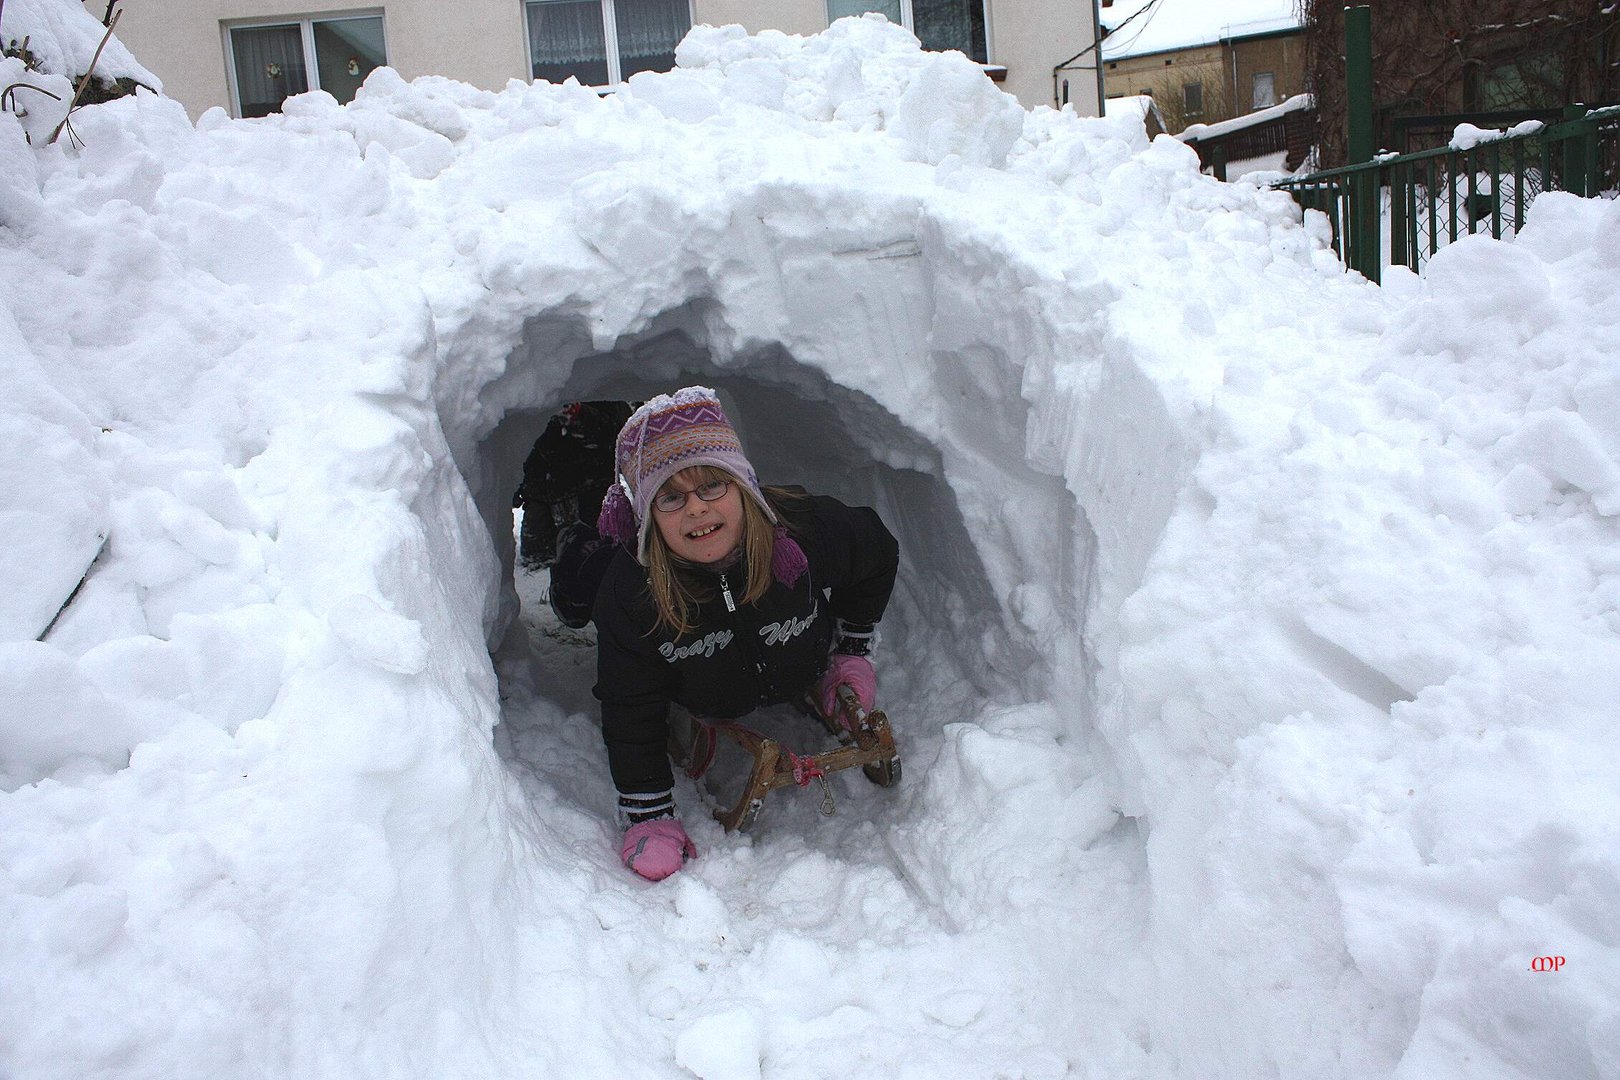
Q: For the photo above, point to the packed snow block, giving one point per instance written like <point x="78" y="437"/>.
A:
<point x="690" y="98"/>
<point x="1561" y="445"/>
<point x="53" y="714"/>
<point x="224" y="668"/>
<point x="1008" y="790"/>
<point x="728" y="1045"/>
<point x="221" y="670"/>
<point x="1561" y="226"/>
<point x="1494" y="288"/>
<point x="951" y="109"/>
<point x="432" y="103"/>
<point x="52" y="524"/>
<point x="19" y="169"/>
<point x="377" y="636"/>
<point x="54" y="504"/>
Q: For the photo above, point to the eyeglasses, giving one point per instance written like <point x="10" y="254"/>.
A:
<point x="670" y="501"/>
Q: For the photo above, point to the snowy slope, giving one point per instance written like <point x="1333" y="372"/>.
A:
<point x="1253" y="654"/>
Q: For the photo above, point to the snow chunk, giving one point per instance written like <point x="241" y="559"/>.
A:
<point x="378" y="636"/>
<point x="1561" y="444"/>
<point x="863" y="71"/>
<point x="54" y="714"/>
<point x="951" y="109"/>
<point x="727" y="1045"/>
<point x="54" y="504"/>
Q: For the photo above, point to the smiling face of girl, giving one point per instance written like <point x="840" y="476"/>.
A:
<point x="700" y="530"/>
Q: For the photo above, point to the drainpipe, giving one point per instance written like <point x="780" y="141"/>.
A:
<point x="1096" y="37"/>
<point x="1232" y="105"/>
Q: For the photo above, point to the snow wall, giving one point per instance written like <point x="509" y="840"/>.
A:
<point x="1196" y="616"/>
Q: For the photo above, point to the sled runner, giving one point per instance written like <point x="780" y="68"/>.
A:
<point x="867" y="742"/>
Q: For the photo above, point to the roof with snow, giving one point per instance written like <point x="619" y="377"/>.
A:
<point x="1144" y="27"/>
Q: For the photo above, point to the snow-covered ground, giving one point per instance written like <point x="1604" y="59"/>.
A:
<point x="1254" y="658"/>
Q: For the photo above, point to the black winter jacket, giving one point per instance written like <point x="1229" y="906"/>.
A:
<point x="732" y="661"/>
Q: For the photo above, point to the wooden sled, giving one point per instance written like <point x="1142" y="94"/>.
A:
<point x="870" y="745"/>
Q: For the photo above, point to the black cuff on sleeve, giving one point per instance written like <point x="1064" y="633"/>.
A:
<point x="855" y="639"/>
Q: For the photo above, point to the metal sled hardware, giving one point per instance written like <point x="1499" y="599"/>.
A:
<point x="870" y="746"/>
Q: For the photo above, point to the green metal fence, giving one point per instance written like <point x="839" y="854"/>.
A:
<point x="1412" y="205"/>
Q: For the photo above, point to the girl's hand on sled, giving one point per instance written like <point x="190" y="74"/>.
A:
<point x="656" y="849"/>
<point x="857" y="673"/>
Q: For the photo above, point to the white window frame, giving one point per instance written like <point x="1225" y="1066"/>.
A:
<point x="306" y="33"/>
<point x="908" y="20"/>
<point x="610" y="42"/>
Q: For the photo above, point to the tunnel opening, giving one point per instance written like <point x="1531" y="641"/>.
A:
<point x="996" y="555"/>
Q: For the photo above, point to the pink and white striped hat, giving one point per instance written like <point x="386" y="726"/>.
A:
<point x="669" y="433"/>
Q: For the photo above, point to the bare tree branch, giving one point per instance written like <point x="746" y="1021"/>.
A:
<point x="84" y="83"/>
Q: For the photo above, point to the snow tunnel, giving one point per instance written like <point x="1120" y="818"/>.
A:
<point x="869" y="344"/>
<point x="964" y="624"/>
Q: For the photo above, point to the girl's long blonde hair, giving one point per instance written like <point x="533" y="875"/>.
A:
<point x="676" y="589"/>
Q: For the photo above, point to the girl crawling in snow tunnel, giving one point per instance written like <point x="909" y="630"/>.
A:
<point x="735" y="596"/>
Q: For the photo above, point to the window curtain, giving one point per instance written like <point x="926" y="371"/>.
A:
<point x="1265" y="90"/>
<point x="951" y="24"/>
<point x="566" y="38"/>
<point x="269" y="67"/>
<point x="342" y="44"/>
<point x="837" y="9"/>
<point x="648" y="31"/>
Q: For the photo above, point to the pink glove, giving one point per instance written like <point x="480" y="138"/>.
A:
<point x="856" y="671"/>
<point x="656" y="849"/>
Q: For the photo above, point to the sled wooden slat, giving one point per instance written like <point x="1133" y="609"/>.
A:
<point x="871" y="747"/>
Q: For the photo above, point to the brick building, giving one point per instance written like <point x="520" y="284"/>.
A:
<point x="1247" y="67"/>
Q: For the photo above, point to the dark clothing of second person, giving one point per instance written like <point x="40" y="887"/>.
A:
<point x="583" y="558"/>
<point x="732" y="661"/>
<point x="567" y="470"/>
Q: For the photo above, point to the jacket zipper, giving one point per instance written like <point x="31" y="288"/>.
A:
<point x="748" y="640"/>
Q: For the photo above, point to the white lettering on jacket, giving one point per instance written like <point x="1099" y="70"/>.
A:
<point x="707" y="645"/>
<point x="777" y="633"/>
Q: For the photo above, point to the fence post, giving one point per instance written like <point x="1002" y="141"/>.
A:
<point x="1359" y="99"/>
<point x="1358" y="82"/>
<point x="1400" y="188"/>
<point x="1575" y="153"/>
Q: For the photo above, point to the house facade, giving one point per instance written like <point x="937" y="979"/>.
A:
<point x="1204" y="83"/>
<point x="247" y="56"/>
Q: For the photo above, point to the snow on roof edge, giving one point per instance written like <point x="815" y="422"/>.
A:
<point x="1228" y="32"/>
<point x="1238" y="123"/>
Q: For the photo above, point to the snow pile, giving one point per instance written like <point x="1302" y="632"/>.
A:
<point x="1251" y="659"/>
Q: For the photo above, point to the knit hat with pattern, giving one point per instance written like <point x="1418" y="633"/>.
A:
<point x="669" y="433"/>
